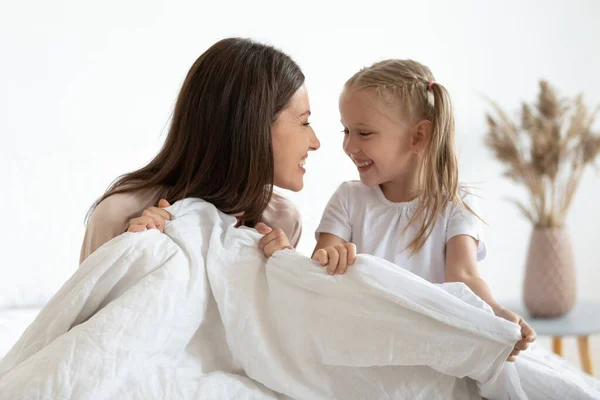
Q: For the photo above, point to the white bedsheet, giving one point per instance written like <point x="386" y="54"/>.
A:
<point x="199" y="313"/>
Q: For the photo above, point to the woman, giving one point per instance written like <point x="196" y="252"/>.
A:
<point x="239" y="127"/>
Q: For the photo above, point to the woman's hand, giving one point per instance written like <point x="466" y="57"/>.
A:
<point x="152" y="218"/>
<point x="336" y="258"/>
<point x="274" y="239"/>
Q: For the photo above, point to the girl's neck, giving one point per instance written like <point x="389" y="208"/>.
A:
<point x="400" y="191"/>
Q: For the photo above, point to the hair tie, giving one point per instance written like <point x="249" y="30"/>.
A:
<point x="430" y="85"/>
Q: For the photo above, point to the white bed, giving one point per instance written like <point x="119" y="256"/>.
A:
<point x="13" y="321"/>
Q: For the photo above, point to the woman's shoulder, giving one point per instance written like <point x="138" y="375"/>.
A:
<point x="282" y="213"/>
<point x="111" y="217"/>
<point x="121" y="207"/>
<point x="281" y="207"/>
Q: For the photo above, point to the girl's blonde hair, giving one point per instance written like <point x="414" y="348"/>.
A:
<point x="421" y="98"/>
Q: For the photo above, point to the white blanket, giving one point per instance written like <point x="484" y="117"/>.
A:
<point x="199" y="313"/>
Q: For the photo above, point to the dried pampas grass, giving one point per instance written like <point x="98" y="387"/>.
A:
<point x="547" y="152"/>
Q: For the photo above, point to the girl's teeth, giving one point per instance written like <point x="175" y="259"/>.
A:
<point x="364" y="164"/>
<point x="302" y="163"/>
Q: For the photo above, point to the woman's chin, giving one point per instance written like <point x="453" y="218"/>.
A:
<point x="295" y="186"/>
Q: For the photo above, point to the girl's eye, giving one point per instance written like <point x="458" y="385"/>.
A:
<point x="364" y="134"/>
<point x="345" y="131"/>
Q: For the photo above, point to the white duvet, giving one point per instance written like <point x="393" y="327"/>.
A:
<point x="199" y="313"/>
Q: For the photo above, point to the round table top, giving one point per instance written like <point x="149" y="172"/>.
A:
<point x="582" y="320"/>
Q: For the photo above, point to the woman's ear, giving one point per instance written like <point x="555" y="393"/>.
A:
<point x="421" y="136"/>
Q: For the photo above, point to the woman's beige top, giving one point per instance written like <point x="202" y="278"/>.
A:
<point x="111" y="218"/>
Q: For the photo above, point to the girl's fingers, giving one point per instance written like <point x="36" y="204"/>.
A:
<point x="321" y="256"/>
<point x="351" y="247"/>
<point x="343" y="258"/>
<point x="333" y="257"/>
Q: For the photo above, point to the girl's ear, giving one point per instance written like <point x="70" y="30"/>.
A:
<point x="421" y="136"/>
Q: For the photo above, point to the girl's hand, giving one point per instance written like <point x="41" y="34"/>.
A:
<point x="527" y="333"/>
<point x="274" y="239"/>
<point x="152" y="218"/>
<point x="336" y="258"/>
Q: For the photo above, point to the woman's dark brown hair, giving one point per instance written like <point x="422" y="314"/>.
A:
<point x="219" y="143"/>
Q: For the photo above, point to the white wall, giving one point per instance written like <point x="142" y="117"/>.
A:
<point x="86" y="90"/>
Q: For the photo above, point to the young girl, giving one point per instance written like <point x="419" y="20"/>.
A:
<point x="408" y="207"/>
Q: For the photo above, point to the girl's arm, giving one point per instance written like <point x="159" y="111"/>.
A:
<point x="461" y="266"/>
<point x="333" y="249"/>
<point x="326" y="240"/>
